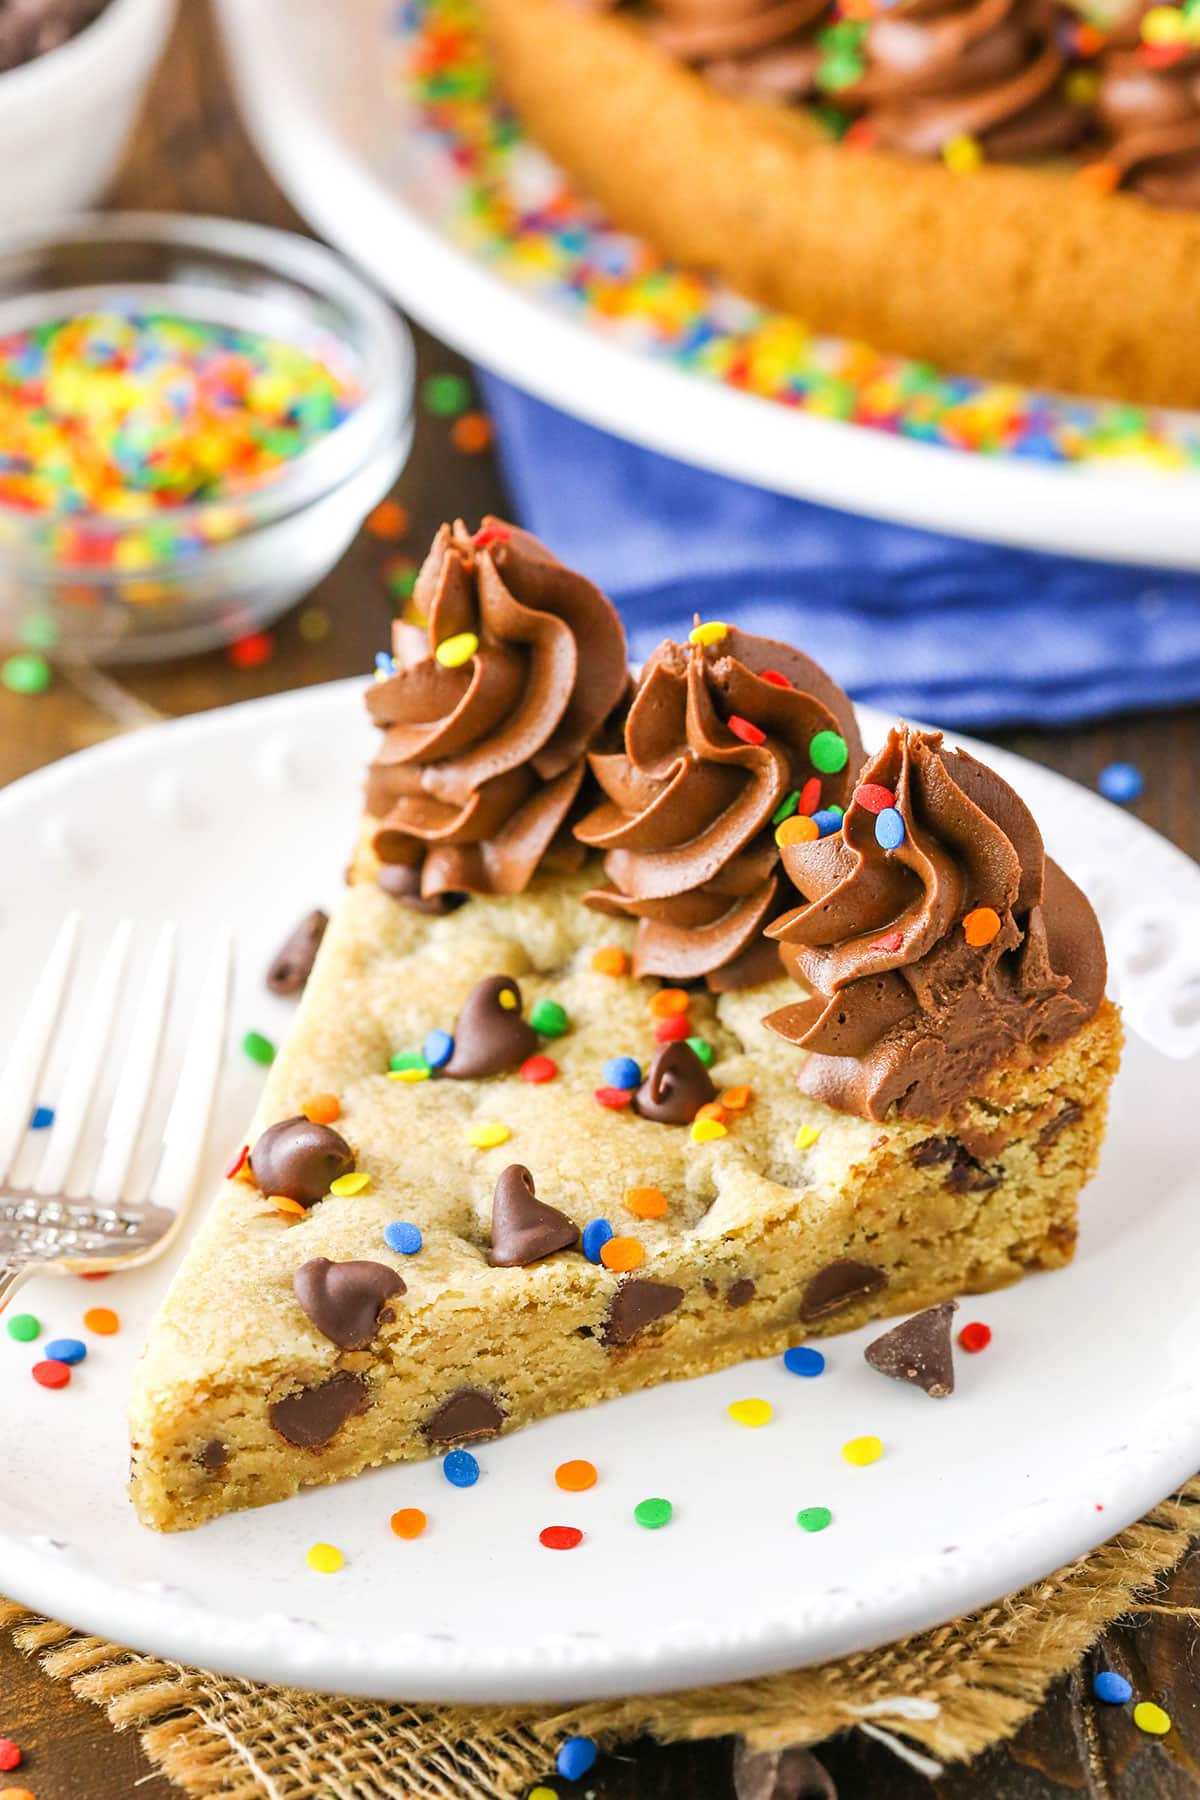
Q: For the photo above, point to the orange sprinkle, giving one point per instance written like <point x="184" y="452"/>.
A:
<point x="409" y="1522"/>
<point x="283" y="1203"/>
<point x="646" y="1202"/>
<point x="736" y="1099"/>
<point x="797" y="830"/>
<point x="668" y="1002"/>
<point x="388" y="521"/>
<point x="712" y="1109"/>
<point x="622" y="1254"/>
<point x="1089" y="41"/>
<point x="981" y="926"/>
<point x="610" y="959"/>
<point x="1098" y="177"/>
<point x="246" y="1174"/>
<point x="472" y="433"/>
<point x="322" y="1109"/>
<point x="102" y="1321"/>
<point x="574" y="1477"/>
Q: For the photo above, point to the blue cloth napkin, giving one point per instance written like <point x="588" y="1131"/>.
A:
<point x="922" y="625"/>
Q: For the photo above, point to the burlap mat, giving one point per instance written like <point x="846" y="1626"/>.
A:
<point x="950" y="1692"/>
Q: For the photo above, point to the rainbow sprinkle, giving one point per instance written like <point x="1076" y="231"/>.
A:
<point x="509" y="206"/>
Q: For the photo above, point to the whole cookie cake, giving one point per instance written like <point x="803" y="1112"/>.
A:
<point x="657" y="1029"/>
<point x="1007" y="188"/>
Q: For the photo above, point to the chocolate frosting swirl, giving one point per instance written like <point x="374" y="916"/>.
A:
<point x="1149" y="106"/>
<point x="480" y="764"/>
<point x="907" y="1013"/>
<point x="764" y="49"/>
<point x="686" y="823"/>
<point x="936" y="70"/>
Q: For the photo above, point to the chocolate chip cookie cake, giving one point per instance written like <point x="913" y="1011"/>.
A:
<point x="1006" y="188"/>
<point x="658" y="1028"/>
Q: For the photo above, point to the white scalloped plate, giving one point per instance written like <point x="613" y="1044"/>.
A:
<point x="319" y="86"/>
<point x="1084" y="1411"/>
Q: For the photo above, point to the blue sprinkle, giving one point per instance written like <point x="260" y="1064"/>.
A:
<point x="1121" y="783"/>
<point x="827" y="821"/>
<point x="437" y="1049"/>
<point x="403" y="1238"/>
<point x="803" y="1361"/>
<point x="460" y="1468"/>
<point x="576" y="1757"/>
<point x="622" y="1072"/>
<point x="889" y="829"/>
<point x="596" y="1234"/>
<point x="43" y="1118"/>
<point x="68" y="1350"/>
<point x="1112" y="1688"/>
<point x="384" y="663"/>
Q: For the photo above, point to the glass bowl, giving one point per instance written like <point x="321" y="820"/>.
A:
<point x="109" y="588"/>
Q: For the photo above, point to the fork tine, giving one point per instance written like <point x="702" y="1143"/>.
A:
<point x="187" y="1121"/>
<point x="23" y="1070"/>
<point x="139" y="1065"/>
<point x="85" y="1068"/>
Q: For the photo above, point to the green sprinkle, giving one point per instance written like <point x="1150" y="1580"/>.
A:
<point x="786" y="808"/>
<point x="446" y="395"/>
<point x="408" y="1059"/>
<point x="258" y="1048"/>
<point x="26" y="673"/>
<point x="24" y="1327"/>
<point x="653" y="1514"/>
<point x="814" y="1518"/>
<point x="549" y="1018"/>
<point x="703" y="1049"/>
<point x="839" y="810"/>
<point x="829" y="752"/>
<point x="400" y="576"/>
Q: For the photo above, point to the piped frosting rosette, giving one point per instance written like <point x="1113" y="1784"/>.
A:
<point x="488" y="714"/>
<point x="936" y="939"/>
<point x="1149" y="103"/>
<point x="762" y="48"/>
<point x="725" y="735"/>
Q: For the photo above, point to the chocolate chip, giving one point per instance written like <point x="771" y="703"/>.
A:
<point x="345" y="1300"/>
<point x="403" y="882"/>
<point x="637" y="1304"/>
<point x="490" y="1036"/>
<point x="300" y="1160"/>
<point x="919" y="1351"/>
<point x="524" y="1228"/>
<point x="932" y="1150"/>
<point x="967" y="1176"/>
<point x="293" y="963"/>
<point x="466" y="1415"/>
<point x="213" y="1456"/>
<point x="1068" y="1115"/>
<point x="837" y="1285"/>
<point x="677" y="1086"/>
<point x="313" y="1415"/>
<point x="741" y="1293"/>
<point x="790" y="1774"/>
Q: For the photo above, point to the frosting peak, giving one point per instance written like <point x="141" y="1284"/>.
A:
<point x="762" y="48"/>
<point x="483" y="749"/>
<point x="930" y="962"/>
<point x="1149" y="106"/>
<point x="718" y="738"/>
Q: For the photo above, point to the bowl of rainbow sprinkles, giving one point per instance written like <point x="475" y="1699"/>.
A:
<point x="195" y="418"/>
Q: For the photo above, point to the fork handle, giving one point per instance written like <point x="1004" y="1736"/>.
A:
<point x="10" y="1281"/>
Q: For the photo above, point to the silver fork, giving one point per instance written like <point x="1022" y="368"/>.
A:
<point x="98" y="1222"/>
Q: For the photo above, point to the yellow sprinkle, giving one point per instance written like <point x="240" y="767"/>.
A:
<point x="705" y="1130"/>
<point x="962" y="154"/>
<point x="326" y="1559"/>
<point x="542" y="1793"/>
<point x="1081" y="86"/>
<point x="486" y="1137"/>
<point x="1163" y="25"/>
<point x="751" y="1412"/>
<point x="711" y="633"/>
<point x="356" y="1182"/>
<point x="408" y="1074"/>
<point x="797" y="830"/>
<point x="454" y="651"/>
<point x="806" y="1137"/>
<point x="1150" y="1718"/>
<point x="508" y="999"/>
<point x="862" y="1451"/>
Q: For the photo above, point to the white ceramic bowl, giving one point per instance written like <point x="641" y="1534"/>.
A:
<point x="65" y="117"/>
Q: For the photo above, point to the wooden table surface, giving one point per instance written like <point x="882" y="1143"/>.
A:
<point x="190" y="154"/>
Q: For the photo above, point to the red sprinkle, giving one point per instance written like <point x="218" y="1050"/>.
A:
<point x="560" y="1537"/>
<point x="491" y="534"/>
<point x="874" y="797"/>
<point x="238" y="1163"/>
<point x="614" y="1097"/>
<point x="774" y="677"/>
<point x="251" y="652"/>
<point x="539" y="1068"/>
<point x="892" y="941"/>
<point x="97" y="1275"/>
<point x="10" y="1754"/>
<point x="1161" y="56"/>
<point x="975" y="1337"/>
<point x="51" y="1374"/>
<point x="742" y="728"/>
<point x="672" y="1031"/>
<point x="810" y="796"/>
